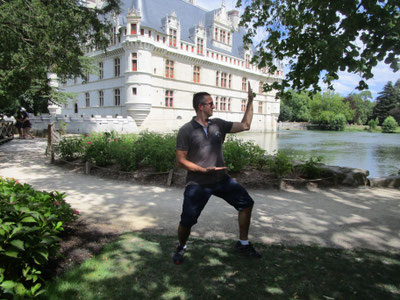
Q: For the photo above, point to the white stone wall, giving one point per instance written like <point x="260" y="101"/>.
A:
<point x="85" y="124"/>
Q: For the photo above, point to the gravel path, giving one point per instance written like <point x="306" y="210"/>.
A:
<point x="336" y="217"/>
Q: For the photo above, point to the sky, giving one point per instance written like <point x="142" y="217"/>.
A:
<point x="347" y="82"/>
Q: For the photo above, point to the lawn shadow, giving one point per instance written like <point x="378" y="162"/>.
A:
<point x="139" y="266"/>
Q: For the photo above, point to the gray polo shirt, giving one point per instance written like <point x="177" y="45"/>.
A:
<point x="204" y="149"/>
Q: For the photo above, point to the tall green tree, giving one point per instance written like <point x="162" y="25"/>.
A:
<point x="298" y="104"/>
<point x="319" y="38"/>
<point x="329" y="104"/>
<point x="395" y="112"/>
<point x="38" y="37"/>
<point x="362" y="105"/>
<point x="386" y="101"/>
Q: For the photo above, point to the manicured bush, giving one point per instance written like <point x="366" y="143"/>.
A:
<point x="30" y="222"/>
<point x="389" y="125"/>
<point x="156" y="150"/>
<point x="124" y="153"/>
<point x="70" y="148"/>
<point x="235" y="154"/>
<point x="96" y="148"/>
<point x="238" y="154"/>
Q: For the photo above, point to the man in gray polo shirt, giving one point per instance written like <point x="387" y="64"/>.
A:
<point x="199" y="150"/>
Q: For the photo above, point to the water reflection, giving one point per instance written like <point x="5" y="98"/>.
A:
<point x="377" y="152"/>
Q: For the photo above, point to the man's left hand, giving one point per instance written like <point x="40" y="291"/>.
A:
<point x="250" y="94"/>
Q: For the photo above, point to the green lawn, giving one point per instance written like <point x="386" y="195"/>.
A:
<point x="139" y="266"/>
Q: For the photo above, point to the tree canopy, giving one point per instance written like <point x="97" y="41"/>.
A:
<point x="319" y="38"/>
<point x="388" y="101"/>
<point x="38" y="37"/>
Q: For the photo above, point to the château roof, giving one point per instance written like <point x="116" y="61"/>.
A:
<point x="154" y="12"/>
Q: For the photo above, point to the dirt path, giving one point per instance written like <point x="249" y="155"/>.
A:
<point x="340" y="217"/>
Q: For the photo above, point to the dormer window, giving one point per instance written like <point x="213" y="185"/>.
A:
<point x="216" y="34"/>
<point x="200" y="45"/>
<point x="172" y="37"/>
<point x="222" y="36"/>
<point x="247" y="61"/>
<point x="229" y="38"/>
<point x="133" y="28"/>
<point x="114" y="36"/>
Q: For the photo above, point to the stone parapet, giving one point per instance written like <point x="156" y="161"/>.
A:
<point x="85" y="124"/>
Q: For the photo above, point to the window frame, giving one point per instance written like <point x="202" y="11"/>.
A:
<point x="169" y="68"/>
<point x="101" y="70"/>
<point x="87" y="99"/>
<point x="196" y="74"/>
<point x="169" y="98"/>
<point x="101" y="98"/>
<point x="244" y="84"/>
<point x="117" y="97"/>
<point x="117" y="67"/>
<point x="134" y="62"/>
<point x="172" y="37"/>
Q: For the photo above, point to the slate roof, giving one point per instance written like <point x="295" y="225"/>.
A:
<point x="153" y="13"/>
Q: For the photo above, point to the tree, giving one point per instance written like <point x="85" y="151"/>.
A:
<point x="395" y="112"/>
<point x="385" y="102"/>
<point x="39" y="37"/>
<point x="298" y="104"/>
<point x="389" y="125"/>
<point x="322" y="37"/>
<point x="286" y="113"/>
<point x="362" y="106"/>
<point x="325" y="108"/>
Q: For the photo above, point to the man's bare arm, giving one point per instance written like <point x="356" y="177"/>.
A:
<point x="248" y="115"/>
<point x="191" y="166"/>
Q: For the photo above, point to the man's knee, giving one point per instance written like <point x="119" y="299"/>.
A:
<point x="188" y="220"/>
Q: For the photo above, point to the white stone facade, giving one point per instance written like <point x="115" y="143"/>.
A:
<point x="151" y="72"/>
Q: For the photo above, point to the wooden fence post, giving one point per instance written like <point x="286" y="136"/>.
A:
<point x="87" y="168"/>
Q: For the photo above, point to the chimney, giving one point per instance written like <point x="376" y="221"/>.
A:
<point x="233" y="16"/>
<point x="193" y="2"/>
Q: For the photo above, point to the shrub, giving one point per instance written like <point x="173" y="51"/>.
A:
<point x="70" y="148"/>
<point x="329" y="121"/>
<point x="124" y="153"/>
<point x="96" y="148"/>
<point x="156" y="150"/>
<point x="389" y="125"/>
<point x="310" y="168"/>
<point x="30" y="222"/>
<point x="280" y="164"/>
<point x="338" y="122"/>
<point x="373" y="124"/>
<point x="238" y="154"/>
<point x="235" y="154"/>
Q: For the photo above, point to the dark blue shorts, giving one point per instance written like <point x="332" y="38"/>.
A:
<point x="196" y="198"/>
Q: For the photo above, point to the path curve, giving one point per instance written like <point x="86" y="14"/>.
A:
<point x="335" y="217"/>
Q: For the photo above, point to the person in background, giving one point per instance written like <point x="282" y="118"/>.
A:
<point x="23" y="124"/>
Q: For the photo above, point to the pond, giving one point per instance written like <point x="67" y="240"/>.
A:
<point x="379" y="153"/>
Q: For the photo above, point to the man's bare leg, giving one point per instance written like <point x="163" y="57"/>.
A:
<point x="244" y="218"/>
<point x="183" y="234"/>
<point x="244" y="224"/>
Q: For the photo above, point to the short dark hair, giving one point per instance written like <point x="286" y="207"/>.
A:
<point x="198" y="99"/>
